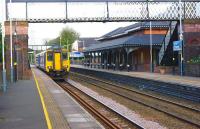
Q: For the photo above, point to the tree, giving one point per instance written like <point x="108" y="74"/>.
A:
<point x="55" y="41"/>
<point x="0" y="44"/>
<point x="67" y="37"/>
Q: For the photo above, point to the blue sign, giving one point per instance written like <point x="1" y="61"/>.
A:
<point x="177" y="45"/>
<point x="76" y="54"/>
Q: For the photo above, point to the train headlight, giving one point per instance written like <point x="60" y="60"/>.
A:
<point x="65" y="67"/>
<point x="49" y="67"/>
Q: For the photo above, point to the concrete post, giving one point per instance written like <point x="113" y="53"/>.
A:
<point x="3" y="44"/>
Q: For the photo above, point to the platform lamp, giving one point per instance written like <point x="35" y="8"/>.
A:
<point x="60" y="41"/>
<point x="151" y="50"/>
<point x="181" y="36"/>
<point x="3" y="44"/>
<point x="11" y="46"/>
<point x="151" y="47"/>
<point x="15" y="72"/>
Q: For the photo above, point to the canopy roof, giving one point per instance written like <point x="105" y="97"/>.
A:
<point x="128" y="41"/>
<point x="134" y="27"/>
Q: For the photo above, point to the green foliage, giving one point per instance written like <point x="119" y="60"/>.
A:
<point x="67" y="37"/>
<point x="0" y="44"/>
<point x="195" y="60"/>
<point x="55" y="41"/>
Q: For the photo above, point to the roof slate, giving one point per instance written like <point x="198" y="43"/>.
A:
<point x="136" y="26"/>
<point x="131" y="41"/>
<point x="86" y="42"/>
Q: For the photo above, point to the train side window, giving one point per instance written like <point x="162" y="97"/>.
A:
<point x="50" y="56"/>
<point x="64" y="56"/>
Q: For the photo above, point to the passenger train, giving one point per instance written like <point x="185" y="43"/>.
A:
<point x="54" y="61"/>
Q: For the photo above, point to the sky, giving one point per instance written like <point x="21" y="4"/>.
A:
<point x="39" y="32"/>
<point x="44" y="31"/>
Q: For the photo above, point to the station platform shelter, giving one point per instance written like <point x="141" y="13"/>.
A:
<point x="39" y="103"/>
<point x="131" y="47"/>
<point x="145" y="47"/>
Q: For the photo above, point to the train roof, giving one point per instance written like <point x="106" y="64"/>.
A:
<point x="52" y="49"/>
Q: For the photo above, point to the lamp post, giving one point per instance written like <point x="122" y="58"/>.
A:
<point x="3" y="44"/>
<point x="11" y="47"/>
<point x="151" y="50"/>
<point x="15" y="71"/>
<point x="83" y="44"/>
<point x="60" y="41"/>
<point x="181" y="36"/>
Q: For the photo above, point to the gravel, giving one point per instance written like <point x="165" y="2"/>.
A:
<point x="122" y="110"/>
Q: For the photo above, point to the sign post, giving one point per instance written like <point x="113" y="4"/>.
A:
<point x="178" y="46"/>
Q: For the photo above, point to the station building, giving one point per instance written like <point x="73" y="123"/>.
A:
<point x="84" y="42"/>
<point x="128" y="48"/>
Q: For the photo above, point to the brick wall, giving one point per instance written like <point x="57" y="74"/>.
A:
<point x="21" y="27"/>
<point x="192" y="70"/>
<point x="20" y="49"/>
<point x="192" y="47"/>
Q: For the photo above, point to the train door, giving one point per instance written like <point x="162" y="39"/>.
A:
<point x="57" y="61"/>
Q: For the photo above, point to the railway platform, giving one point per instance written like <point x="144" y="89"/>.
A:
<point x="187" y="88"/>
<point x="20" y="107"/>
<point x="39" y="103"/>
<point x="172" y="79"/>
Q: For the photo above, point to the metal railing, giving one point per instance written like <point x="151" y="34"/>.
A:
<point x="167" y="40"/>
<point x="110" y="11"/>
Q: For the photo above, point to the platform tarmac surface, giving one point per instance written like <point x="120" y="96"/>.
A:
<point x="40" y="103"/>
<point x="173" y="79"/>
<point x="64" y="111"/>
<point x="20" y="107"/>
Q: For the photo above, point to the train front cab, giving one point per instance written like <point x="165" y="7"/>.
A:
<point x="57" y="64"/>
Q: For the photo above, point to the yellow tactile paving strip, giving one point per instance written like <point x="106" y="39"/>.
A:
<point x="46" y="114"/>
<point x="174" y="79"/>
<point x="57" y="119"/>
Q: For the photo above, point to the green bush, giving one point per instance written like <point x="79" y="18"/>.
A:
<point x="0" y="44"/>
<point x="195" y="60"/>
<point x="0" y="53"/>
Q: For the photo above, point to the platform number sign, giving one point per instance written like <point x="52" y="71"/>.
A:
<point x="177" y="45"/>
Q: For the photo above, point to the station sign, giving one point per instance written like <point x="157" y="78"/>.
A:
<point x="177" y="45"/>
<point x="76" y="54"/>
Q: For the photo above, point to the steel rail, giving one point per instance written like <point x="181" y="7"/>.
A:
<point x="143" y="103"/>
<point x="142" y="93"/>
<point x="92" y="109"/>
<point x="105" y="120"/>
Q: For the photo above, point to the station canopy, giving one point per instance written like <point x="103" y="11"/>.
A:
<point x="121" y="37"/>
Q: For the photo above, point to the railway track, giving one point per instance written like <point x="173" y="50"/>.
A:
<point x="101" y="112"/>
<point x="173" y="90"/>
<point x="179" y="111"/>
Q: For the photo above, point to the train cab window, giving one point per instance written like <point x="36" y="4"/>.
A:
<point x="64" y="56"/>
<point x="50" y="56"/>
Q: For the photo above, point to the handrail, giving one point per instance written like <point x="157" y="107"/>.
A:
<point x="167" y="39"/>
